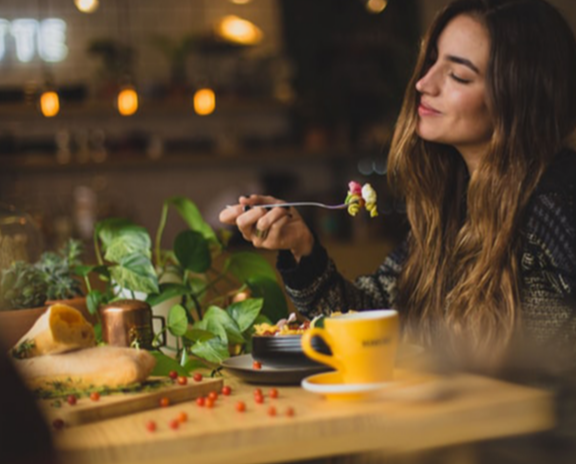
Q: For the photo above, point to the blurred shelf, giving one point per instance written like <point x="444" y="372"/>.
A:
<point x="139" y="161"/>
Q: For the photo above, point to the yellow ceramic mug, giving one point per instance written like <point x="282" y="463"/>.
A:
<point x="363" y="345"/>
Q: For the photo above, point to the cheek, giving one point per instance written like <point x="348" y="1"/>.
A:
<point x="473" y="109"/>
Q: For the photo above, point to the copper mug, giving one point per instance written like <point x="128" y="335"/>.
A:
<point x="129" y="323"/>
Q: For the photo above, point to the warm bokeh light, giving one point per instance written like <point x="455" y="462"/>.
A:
<point x="240" y="2"/>
<point x="86" y="6"/>
<point x="49" y="104"/>
<point x="238" y="30"/>
<point x="127" y="101"/>
<point x="204" y="102"/>
<point x="376" y="6"/>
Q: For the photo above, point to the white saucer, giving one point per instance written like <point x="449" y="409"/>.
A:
<point x="332" y="387"/>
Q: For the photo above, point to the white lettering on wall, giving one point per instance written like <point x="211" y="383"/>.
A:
<point x="52" y="40"/>
<point x="4" y="28"/>
<point x="46" y="38"/>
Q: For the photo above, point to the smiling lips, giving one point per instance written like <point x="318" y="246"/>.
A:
<point x="425" y="110"/>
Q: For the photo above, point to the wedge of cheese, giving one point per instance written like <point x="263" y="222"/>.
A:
<point x="101" y="366"/>
<point x="61" y="328"/>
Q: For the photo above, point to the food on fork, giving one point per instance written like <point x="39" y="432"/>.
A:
<point x="60" y="329"/>
<point x="361" y="196"/>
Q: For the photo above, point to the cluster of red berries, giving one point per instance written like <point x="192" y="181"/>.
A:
<point x="72" y="400"/>
<point x="240" y="406"/>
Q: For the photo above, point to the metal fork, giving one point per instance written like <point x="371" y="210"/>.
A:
<point x="300" y="203"/>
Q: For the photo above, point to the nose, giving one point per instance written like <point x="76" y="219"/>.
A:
<point x="427" y="83"/>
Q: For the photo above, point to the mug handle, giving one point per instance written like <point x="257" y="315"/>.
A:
<point x="163" y="329"/>
<point x="315" y="355"/>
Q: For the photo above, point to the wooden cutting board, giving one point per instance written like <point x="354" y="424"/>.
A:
<point x="120" y="404"/>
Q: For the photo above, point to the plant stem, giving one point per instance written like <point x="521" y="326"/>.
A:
<point x="97" y="249"/>
<point x="159" y="232"/>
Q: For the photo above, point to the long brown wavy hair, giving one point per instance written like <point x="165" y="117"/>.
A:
<point x="462" y="278"/>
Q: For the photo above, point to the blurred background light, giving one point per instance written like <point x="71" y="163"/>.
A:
<point x="239" y="31"/>
<point x="376" y="6"/>
<point x="204" y="102"/>
<point x="127" y="101"/>
<point x="49" y="104"/>
<point x="86" y="6"/>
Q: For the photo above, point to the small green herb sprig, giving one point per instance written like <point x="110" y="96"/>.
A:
<point x="62" y="389"/>
<point x="53" y="277"/>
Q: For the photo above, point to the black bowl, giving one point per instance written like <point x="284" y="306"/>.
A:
<point x="285" y="351"/>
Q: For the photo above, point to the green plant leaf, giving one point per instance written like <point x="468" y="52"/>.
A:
<point x="107" y="229"/>
<point x="192" y="251"/>
<point x="191" y="215"/>
<point x="214" y="350"/>
<point x="194" y="364"/>
<point x="128" y="242"/>
<point x="136" y="273"/>
<point x="245" y="265"/>
<point x="165" y="364"/>
<point x="167" y="292"/>
<point x="275" y="305"/>
<point x="198" y="335"/>
<point x="245" y="312"/>
<point x="219" y="322"/>
<point x="177" y="321"/>
<point x="184" y="358"/>
<point x="93" y="301"/>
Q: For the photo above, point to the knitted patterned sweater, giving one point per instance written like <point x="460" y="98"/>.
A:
<point x="547" y="260"/>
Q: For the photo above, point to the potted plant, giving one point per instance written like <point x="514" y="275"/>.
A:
<point x="220" y="293"/>
<point x="27" y="289"/>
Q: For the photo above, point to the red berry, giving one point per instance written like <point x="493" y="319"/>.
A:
<point x="240" y="406"/>
<point x="182" y="417"/>
<point x="272" y="411"/>
<point x="290" y="411"/>
<point x="197" y="377"/>
<point x="213" y="395"/>
<point x="257" y="365"/>
<point x="257" y="392"/>
<point x="164" y="402"/>
<point x="94" y="396"/>
<point x="273" y="393"/>
<point x="200" y="401"/>
<point x="151" y="426"/>
<point x="209" y="403"/>
<point x="58" y="424"/>
<point x="71" y="400"/>
<point x="174" y="424"/>
<point x="173" y="375"/>
<point x="259" y="399"/>
<point x="182" y="380"/>
<point x="226" y="390"/>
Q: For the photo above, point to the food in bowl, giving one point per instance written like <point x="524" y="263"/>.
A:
<point x="279" y="345"/>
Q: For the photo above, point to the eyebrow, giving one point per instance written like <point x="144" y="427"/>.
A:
<point x="463" y="61"/>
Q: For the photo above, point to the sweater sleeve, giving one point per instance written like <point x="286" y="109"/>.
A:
<point x="316" y="287"/>
<point x="548" y="267"/>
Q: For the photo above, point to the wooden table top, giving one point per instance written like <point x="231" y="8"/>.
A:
<point x="436" y="412"/>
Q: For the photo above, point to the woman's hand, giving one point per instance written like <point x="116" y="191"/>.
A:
<point x="272" y="229"/>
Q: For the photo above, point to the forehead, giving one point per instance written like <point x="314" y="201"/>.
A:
<point x="465" y="37"/>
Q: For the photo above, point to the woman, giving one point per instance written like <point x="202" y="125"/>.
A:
<point x="479" y="156"/>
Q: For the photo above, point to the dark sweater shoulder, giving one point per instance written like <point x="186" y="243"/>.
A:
<point x="549" y="224"/>
<point x="560" y="176"/>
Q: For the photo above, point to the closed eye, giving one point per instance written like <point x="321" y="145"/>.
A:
<point x="459" y="79"/>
